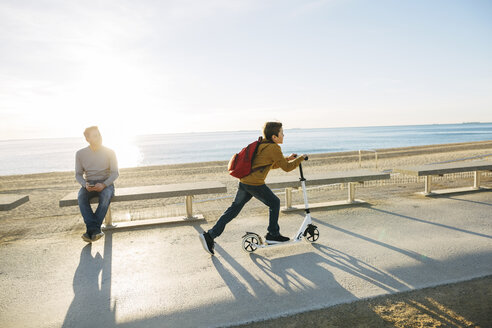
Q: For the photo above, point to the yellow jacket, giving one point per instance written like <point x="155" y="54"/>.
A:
<point x="269" y="156"/>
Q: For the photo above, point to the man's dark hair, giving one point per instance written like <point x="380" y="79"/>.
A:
<point x="271" y="129"/>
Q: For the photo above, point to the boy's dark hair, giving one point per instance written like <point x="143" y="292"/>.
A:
<point x="271" y="129"/>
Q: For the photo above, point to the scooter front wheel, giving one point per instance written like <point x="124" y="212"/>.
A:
<point x="311" y="233"/>
<point x="250" y="243"/>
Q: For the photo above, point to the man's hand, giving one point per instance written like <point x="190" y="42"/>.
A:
<point x="89" y="187"/>
<point x="97" y="187"/>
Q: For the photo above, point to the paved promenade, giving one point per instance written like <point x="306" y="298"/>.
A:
<point x="161" y="277"/>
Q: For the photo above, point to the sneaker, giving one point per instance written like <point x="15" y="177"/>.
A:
<point x="207" y="243"/>
<point x="86" y="237"/>
<point x="269" y="239"/>
<point x="97" y="235"/>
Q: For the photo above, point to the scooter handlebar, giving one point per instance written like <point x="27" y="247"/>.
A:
<point x="304" y="155"/>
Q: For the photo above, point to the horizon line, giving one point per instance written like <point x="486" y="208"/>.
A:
<point x="251" y="130"/>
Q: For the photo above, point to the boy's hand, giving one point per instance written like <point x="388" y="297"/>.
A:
<point x="291" y="157"/>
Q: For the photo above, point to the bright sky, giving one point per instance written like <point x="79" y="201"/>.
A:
<point x="141" y="67"/>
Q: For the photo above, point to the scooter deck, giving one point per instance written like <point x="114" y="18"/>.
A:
<point x="289" y="242"/>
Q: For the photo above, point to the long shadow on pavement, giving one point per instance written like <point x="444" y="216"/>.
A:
<point x="237" y="288"/>
<point x="411" y="254"/>
<point x="89" y="299"/>
<point x="432" y="223"/>
<point x="468" y="201"/>
<point x="271" y="286"/>
<point x="293" y="283"/>
<point x="360" y="269"/>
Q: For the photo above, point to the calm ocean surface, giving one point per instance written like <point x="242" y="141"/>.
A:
<point x="50" y="155"/>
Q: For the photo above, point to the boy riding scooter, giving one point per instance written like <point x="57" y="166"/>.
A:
<point x="269" y="156"/>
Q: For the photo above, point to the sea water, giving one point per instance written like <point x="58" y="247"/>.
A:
<point x="52" y="155"/>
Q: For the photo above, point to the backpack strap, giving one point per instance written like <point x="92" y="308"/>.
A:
<point x="261" y="141"/>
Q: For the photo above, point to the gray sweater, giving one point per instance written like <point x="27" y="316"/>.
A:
<point x="100" y="165"/>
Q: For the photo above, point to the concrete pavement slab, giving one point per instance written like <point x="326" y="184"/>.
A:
<point x="161" y="277"/>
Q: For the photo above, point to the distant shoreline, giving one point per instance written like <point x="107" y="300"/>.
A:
<point x="251" y="130"/>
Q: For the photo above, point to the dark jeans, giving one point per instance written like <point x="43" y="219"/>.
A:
<point x="243" y="195"/>
<point x="94" y="220"/>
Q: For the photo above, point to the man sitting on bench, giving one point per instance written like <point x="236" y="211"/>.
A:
<point x="96" y="168"/>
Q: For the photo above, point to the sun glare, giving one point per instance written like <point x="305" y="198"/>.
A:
<point x="126" y="150"/>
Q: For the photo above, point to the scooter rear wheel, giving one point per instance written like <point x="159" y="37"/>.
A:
<point x="250" y="243"/>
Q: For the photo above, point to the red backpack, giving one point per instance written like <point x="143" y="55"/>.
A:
<point x="240" y="163"/>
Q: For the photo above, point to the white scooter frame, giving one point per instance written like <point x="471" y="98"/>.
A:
<point x="252" y="241"/>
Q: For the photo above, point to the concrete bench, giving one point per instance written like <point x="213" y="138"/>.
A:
<point x="348" y="177"/>
<point x="11" y="201"/>
<point x="188" y="190"/>
<point x="429" y="170"/>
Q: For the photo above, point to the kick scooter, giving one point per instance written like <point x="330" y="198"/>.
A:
<point x="252" y="241"/>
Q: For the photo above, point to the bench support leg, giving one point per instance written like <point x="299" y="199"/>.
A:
<point x="428" y="184"/>
<point x="189" y="207"/>
<point x="288" y="198"/>
<point x="108" y="220"/>
<point x="476" y="180"/>
<point x="351" y="192"/>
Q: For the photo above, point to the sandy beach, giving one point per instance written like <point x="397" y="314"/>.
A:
<point x="46" y="189"/>
<point x="42" y="216"/>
